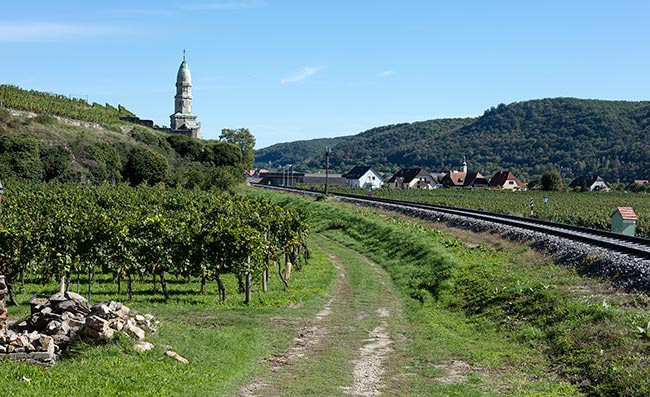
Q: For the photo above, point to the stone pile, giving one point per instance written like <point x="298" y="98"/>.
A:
<point x="54" y="321"/>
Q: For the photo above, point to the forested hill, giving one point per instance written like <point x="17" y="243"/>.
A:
<point x="294" y="152"/>
<point x="576" y="136"/>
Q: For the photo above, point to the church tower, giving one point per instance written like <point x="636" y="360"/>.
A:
<point x="183" y="121"/>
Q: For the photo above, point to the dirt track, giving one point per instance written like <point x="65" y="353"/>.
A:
<point x="353" y="323"/>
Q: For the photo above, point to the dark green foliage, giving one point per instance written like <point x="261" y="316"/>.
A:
<point x="576" y="136"/>
<point x="154" y="140"/>
<point x="19" y="157"/>
<point x="223" y="153"/>
<point x="223" y="177"/>
<point x="205" y="177"/>
<point x="551" y="181"/>
<point x="124" y="111"/>
<point x="146" y="165"/>
<point x="44" y="119"/>
<point x="186" y="147"/>
<point x="55" y="160"/>
<point x="5" y="116"/>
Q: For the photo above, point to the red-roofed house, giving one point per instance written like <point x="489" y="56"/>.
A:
<point x="506" y="180"/>
<point x="464" y="179"/>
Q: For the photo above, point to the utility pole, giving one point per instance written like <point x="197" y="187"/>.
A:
<point x="328" y="152"/>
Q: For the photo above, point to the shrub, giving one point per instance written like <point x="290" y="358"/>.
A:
<point x="186" y="147"/>
<point x="55" y="160"/>
<point x="151" y="139"/>
<point x="145" y="165"/>
<point x="45" y="119"/>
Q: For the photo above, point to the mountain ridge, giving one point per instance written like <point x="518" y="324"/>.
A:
<point x="575" y="136"/>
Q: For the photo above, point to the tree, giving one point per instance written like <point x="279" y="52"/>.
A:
<point x="551" y="180"/>
<point x="244" y="140"/>
<point x="145" y="165"/>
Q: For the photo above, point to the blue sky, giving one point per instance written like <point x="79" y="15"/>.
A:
<point x="290" y="70"/>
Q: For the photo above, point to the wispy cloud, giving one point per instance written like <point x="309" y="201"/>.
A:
<point x="302" y="74"/>
<point x="385" y="73"/>
<point x="48" y="32"/>
<point x="143" y="12"/>
<point x="225" y="5"/>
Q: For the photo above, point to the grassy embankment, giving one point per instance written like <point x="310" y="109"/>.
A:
<point x="525" y="327"/>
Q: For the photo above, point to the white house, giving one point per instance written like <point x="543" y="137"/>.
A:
<point x="363" y="176"/>
<point x="590" y="184"/>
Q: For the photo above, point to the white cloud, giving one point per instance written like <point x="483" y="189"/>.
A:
<point x="226" y="5"/>
<point x="302" y="74"/>
<point x="39" y="31"/>
<point x="143" y="12"/>
<point x="385" y="73"/>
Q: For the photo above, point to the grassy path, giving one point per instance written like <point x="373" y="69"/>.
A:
<point x="352" y="346"/>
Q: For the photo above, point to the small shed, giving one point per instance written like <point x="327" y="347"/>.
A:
<point x="624" y="221"/>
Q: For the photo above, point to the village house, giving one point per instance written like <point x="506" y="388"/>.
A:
<point x="412" y="178"/>
<point x="363" y="176"/>
<point x="638" y="184"/>
<point x="464" y="178"/>
<point x="458" y="179"/>
<point x="506" y="180"/>
<point x="589" y="184"/>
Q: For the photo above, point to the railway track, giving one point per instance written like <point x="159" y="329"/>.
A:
<point x="635" y="246"/>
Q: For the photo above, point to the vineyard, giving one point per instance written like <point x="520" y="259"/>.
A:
<point x="63" y="231"/>
<point x="591" y="210"/>
<point x="60" y="105"/>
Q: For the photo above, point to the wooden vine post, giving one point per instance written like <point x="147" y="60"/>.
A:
<point x="3" y="305"/>
<point x="265" y="279"/>
<point x="248" y="281"/>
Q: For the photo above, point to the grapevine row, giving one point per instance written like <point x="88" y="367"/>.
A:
<point x="52" y="231"/>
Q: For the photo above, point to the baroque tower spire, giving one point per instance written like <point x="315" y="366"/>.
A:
<point x="183" y="121"/>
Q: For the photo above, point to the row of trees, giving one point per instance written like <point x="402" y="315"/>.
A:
<point x="50" y="231"/>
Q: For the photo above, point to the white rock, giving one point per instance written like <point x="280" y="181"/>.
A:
<point x="134" y="331"/>
<point x="142" y="346"/>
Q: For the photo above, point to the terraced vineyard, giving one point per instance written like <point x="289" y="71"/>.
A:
<point x="60" y="105"/>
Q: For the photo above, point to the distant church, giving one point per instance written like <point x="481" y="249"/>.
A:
<point x="183" y="121"/>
